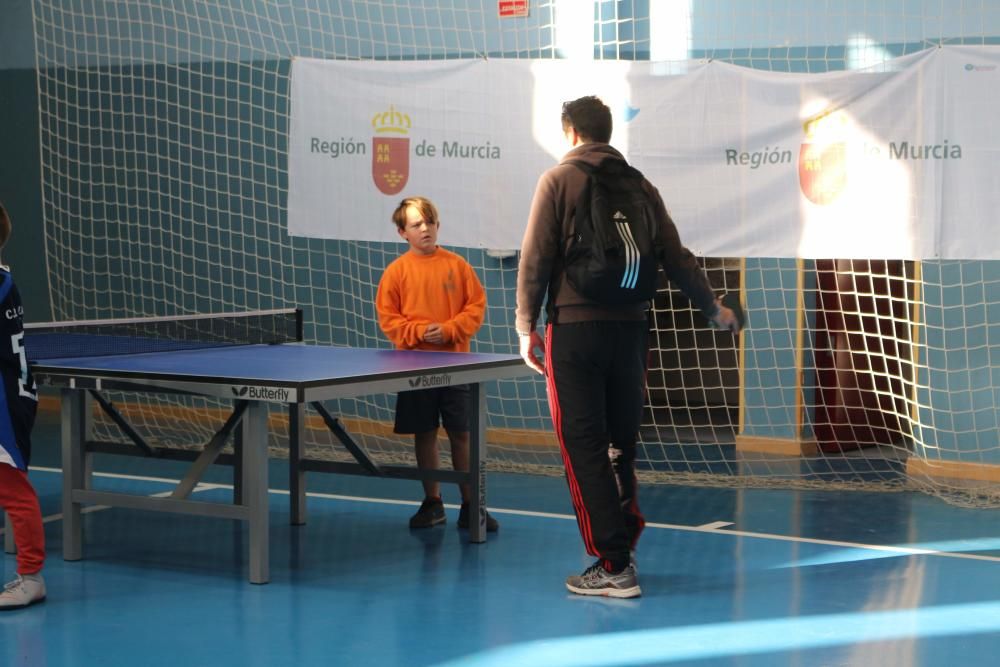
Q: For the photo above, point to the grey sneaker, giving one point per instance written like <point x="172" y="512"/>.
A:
<point x="595" y="580"/>
<point x="22" y="592"/>
<point x="431" y="513"/>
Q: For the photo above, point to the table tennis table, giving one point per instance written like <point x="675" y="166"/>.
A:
<point x="252" y="377"/>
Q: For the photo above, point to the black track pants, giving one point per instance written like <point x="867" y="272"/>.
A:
<point x="596" y="377"/>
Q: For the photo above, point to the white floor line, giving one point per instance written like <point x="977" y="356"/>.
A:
<point x="715" y="525"/>
<point x="705" y="528"/>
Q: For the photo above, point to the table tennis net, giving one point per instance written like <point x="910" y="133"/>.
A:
<point x="87" y="338"/>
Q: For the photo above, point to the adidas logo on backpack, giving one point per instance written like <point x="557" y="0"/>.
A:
<point x="614" y="256"/>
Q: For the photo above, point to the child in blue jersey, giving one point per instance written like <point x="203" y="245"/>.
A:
<point x="18" y="403"/>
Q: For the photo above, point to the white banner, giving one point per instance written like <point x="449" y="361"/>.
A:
<point x="897" y="161"/>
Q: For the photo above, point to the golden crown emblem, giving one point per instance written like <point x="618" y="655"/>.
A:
<point x="391" y="121"/>
<point x="831" y="120"/>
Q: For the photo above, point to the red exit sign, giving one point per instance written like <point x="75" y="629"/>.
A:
<point x="512" y="8"/>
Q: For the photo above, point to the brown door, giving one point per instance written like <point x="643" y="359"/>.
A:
<point x="862" y="352"/>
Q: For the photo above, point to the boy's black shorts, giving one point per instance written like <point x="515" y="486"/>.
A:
<point x="425" y="409"/>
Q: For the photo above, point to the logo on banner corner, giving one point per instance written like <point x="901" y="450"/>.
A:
<point x="823" y="157"/>
<point x="390" y="154"/>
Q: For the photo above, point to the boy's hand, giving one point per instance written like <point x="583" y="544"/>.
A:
<point x="529" y="344"/>
<point x="434" y="334"/>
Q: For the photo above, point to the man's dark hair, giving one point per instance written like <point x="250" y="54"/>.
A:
<point x="590" y="117"/>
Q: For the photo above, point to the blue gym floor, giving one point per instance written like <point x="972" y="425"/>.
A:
<point x="729" y="577"/>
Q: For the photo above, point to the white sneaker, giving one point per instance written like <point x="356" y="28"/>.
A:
<point x="22" y="592"/>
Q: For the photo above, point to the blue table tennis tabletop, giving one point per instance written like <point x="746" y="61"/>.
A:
<point x="301" y="367"/>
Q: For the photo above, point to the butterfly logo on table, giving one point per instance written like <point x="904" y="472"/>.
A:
<point x="264" y="393"/>
<point x="422" y="381"/>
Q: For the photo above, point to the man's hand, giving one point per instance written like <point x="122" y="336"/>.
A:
<point x="434" y="334"/>
<point x="529" y="344"/>
<point x="725" y="318"/>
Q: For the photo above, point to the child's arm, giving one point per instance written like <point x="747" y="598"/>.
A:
<point x="466" y="323"/>
<point x="404" y="333"/>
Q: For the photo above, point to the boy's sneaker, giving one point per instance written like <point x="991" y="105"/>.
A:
<point x="595" y="580"/>
<point x="22" y="592"/>
<point x="431" y="513"/>
<point x="463" y="520"/>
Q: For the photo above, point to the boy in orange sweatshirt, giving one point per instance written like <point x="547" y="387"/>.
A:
<point x="429" y="298"/>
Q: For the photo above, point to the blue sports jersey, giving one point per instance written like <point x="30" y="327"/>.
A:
<point x="18" y="394"/>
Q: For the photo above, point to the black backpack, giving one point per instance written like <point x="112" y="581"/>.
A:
<point x="614" y="256"/>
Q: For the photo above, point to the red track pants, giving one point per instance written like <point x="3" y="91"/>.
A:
<point x="19" y="500"/>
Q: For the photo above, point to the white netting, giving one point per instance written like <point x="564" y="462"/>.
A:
<point x="164" y="133"/>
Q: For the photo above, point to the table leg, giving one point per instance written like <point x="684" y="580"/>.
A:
<point x="255" y="489"/>
<point x="238" y="464"/>
<point x="74" y="471"/>
<point x="477" y="465"/>
<point x="296" y="476"/>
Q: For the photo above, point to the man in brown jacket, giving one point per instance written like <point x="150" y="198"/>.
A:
<point x="596" y="354"/>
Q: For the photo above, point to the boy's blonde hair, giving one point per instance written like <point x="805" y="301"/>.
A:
<point x="5" y="226"/>
<point x="422" y="204"/>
